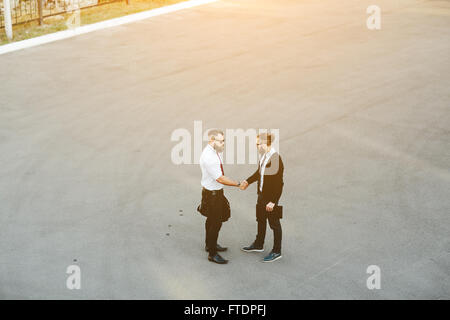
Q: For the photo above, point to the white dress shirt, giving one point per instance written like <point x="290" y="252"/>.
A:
<point x="210" y="162"/>
<point x="262" y="165"/>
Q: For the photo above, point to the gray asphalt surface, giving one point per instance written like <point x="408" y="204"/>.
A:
<point x="364" y="117"/>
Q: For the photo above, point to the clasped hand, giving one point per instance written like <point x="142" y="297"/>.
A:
<point x="243" y="185"/>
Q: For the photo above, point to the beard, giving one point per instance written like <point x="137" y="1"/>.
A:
<point x="219" y="149"/>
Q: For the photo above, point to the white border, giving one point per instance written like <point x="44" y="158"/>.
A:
<point x="99" y="26"/>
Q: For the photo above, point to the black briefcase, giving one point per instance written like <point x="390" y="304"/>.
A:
<point x="262" y="212"/>
<point x="202" y="208"/>
<point x="224" y="208"/>
<point x="226" y="211"/>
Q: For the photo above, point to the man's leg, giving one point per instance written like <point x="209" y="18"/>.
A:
<point x="207" y="224"/>
<point x="215" y="235"/>
<point x="212" y="233"/>
<point x="206" y="231"/>
<point x="261" y="228"/>
<point x="214" y="223"/>
<point x="275" y="225"/>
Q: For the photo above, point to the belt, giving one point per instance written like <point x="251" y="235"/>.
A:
<point x="213" y="192"/>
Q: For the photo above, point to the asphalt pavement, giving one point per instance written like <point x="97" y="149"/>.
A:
<point x="87" y="179"/>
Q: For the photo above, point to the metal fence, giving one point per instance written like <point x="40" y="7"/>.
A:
<point x="23" y="11"/>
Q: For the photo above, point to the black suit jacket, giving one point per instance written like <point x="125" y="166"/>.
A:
<point x="273" y="179"/>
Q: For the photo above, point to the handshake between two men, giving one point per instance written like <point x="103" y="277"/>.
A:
<point x="269" y="178"/>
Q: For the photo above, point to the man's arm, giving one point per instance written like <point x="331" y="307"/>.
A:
<point x="227" y="181"/>
<point x="254" y="177"/>
<point x="277" y="182"/>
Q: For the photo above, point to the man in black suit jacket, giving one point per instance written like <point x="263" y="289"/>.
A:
<point x="269" y="177"/>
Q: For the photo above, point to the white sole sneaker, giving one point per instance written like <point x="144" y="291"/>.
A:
<point x="277" y="258"/>
<point x="253" y="250"/>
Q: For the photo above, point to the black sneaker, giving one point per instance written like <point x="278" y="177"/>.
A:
<point x="252" y="248"/>
<point x="273" y="256"/>
<point x="217" y="259"/>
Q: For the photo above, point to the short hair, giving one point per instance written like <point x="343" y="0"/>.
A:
<point x="267" y="138"/>
<point x="213" y="133"/>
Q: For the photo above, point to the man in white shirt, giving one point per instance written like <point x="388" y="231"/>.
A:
<point x="214" y="205"/>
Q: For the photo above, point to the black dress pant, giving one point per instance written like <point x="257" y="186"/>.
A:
<point x="274" y="223"/>
<point x="213" y="222"/>
<point x="212" y="228"/>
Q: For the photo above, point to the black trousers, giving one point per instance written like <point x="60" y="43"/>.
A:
<point x="274" y="223"/>
<point x="214" y="204"/>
